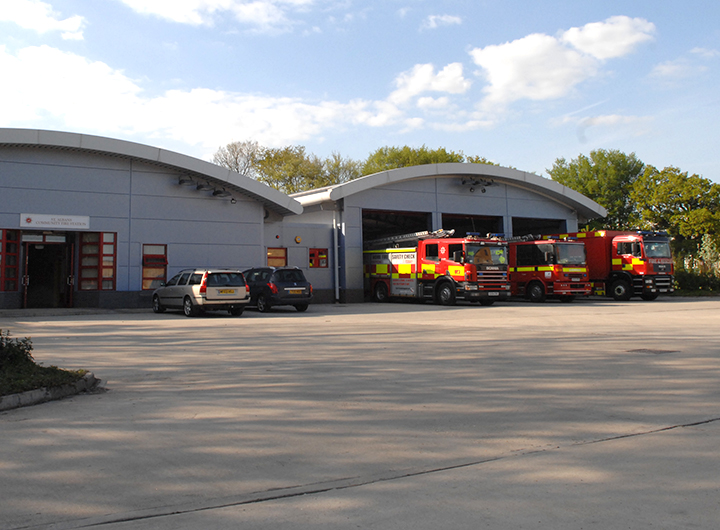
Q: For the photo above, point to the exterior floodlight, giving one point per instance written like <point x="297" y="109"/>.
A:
<point x="185" y="181"/>
<point x="204" y="186"/>
<point x="221" y="193"/>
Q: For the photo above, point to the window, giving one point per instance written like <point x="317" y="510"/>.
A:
<point x="318" y="258"/>
<point x="173" y="280"/>
<point x="97" y="261"/>
<point x="452" y="249"/>
<point x="9" y="259"/>
<point x="154" y="266"/>
<point x="431" y="252"/>
<point x="629" y="248"/>
<point x="277" y="257"/>
<point x="535" y="255"/>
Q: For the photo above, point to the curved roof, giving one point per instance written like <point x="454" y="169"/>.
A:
<point x="187" y="165"/>
<point x="586" y="208"/>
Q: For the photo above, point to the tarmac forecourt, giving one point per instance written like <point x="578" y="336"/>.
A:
<point x="519" y="415"/>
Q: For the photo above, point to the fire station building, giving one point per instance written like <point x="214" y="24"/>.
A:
<point x="87" y="221"/>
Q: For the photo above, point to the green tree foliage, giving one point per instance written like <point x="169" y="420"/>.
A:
<point x="288" y="169"/>
<point x="479" y="160"/>
<point x="387" y="158"/>
<point x="688" y="207"/>
<point x="339" y="169"/>
<point x="607" y="177"/>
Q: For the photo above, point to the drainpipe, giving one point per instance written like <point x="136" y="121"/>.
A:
<point x="335" y="258"/>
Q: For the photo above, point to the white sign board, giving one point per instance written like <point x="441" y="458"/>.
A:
<point x="56" y="222"/>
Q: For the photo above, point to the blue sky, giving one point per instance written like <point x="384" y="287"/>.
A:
<point x="521" y="83"/>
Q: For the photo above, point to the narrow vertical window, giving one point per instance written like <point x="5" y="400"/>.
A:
<point x="9" y="259"/>
<point x="97" y="261"/>
<point x="154" y="266"/>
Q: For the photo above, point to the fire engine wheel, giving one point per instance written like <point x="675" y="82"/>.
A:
<point x="536" y="292"/>
<point x="649" y="297"/>
<point x="380" y="293"/>
<point x="446" y="294"/>
<point x="620" y="291"/>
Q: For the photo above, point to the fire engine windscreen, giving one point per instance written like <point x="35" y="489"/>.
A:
<point x="482" y="255"/>
<point x="570" y="254"/>
<point x="657" y="249"/>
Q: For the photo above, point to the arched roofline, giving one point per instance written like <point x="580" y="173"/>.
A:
<point x="585" y="207"/>
<point x="216" y="175"/>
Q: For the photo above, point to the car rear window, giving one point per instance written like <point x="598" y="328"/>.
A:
<point x="290" y="276"/>
<point x="225" y="279"/>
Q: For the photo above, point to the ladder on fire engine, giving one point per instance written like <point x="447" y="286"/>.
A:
<point x="410" y="238"/>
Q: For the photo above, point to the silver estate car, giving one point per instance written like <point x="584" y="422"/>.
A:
<point x="198" y="290"/>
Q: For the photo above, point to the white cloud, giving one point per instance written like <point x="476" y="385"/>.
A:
<point x="675" y="70"/>
<point x="422" y="78"/>
<point x="686" y="67"/>
<point x="263" y="15"/>
<point x="433" y="103"/>
<point x="615" y="37"/>
<point x="705" y="53"/>
<point x="435" y="21"/>
<point x="610" y="125"/>
<point x="43" y="84"/>
<point x="536" y="67"/>
<point x="543" y="67"/>
<point x="40" y="17"/>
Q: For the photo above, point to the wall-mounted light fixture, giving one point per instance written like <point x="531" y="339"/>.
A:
<point x="475" y="183"/>
<point x="221" y="193"/>
<point x="186" y="181"/>
<point x="233" y="201"/>
<point x="204" y="186"/>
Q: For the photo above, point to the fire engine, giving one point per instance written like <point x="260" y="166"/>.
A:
<point x="549" y="268"/>
<point x="436" y="266"/>
<point x="623" y="264"/>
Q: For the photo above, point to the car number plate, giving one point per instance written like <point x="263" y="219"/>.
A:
<point x="226" y="291"/>
<point x="295" y="291"/>
<point x="576" y="279"/>
<point x="494" y="294"/>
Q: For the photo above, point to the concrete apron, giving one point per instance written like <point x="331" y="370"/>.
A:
<point x="391" y="415"/>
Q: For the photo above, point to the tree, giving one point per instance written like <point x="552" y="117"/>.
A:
<point x="240" y="157"/>
<point x="338" y="169"/>
<point x="479" y="160"/>
<point x="387" y="158"/>
<point x="289" y="169"/>
<point x="688" y="207"/>
<point x="607" y="177"/>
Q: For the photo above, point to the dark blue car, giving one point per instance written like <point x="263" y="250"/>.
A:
<point x="271" y="286"/>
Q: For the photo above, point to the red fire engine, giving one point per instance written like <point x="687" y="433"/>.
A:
<point x="626" y="264"/>
<point x="436" y="266"/>
<point x="550" y="268"/>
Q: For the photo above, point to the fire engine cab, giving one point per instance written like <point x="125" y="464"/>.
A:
<point x="436" y="266"/>
<point x="625" y="264"/>
<point x="548" y="268"/>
